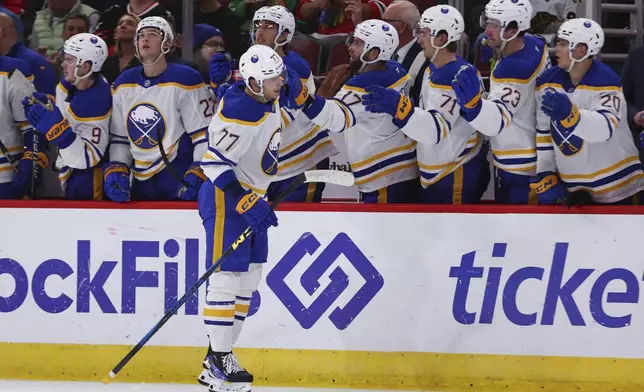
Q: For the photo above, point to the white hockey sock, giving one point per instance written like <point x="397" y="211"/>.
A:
<point x="219" y="316"/>
<point x="242" y="304"/>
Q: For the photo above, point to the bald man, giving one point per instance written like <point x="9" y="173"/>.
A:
<point x="45" y="77"/>
<point x="404" y="16"/>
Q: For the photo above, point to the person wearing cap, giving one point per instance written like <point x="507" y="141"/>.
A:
<point x="206" y="42"/>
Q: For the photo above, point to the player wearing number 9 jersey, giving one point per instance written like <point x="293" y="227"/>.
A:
<point x="512" y="89"/>
<point x="584" y="145"/>
<point x="84" y="101"/>
<point x="383" y="160"/>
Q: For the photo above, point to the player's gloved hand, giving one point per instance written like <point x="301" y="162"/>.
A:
<point x="468" y="90"/>
<point x="52" y="125"/>
<point x="116" y="177"/>
<point x="549" y="190"/>
<point x="642" y="139"/>
<point x="257" y="212"/>
<point x="558" y="107"/>
<point x="296" y="93"/>
<point x="21" y="181"/>
<point x="220" y="68"/>
<point x="387" y="100"/>
<point x="193" y="179"/>
<point x="221" y="90"/>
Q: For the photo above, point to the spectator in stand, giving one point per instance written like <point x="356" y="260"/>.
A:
<point x="5" y="9"/>
<point x="633" y="85"/>
<point x="339" y="16"/>
<point x="45" y="78"/>
<point x="404" y="16"/>
<point x="141" y="8"/>
<point x="48" y="26"/>
<point x="206" y="41"/>
<point x="214" y="13"/>
<point x="73" y="24"/>
<point x="124" y="56"/>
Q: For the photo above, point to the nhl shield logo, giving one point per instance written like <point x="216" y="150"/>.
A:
<point x="269" y="158"/>
<point x="145" y="126"/>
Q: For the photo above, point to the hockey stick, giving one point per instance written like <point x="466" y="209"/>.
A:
<point x="168" y="164"/>
<point x="27" y="88"/>
<point x="12" y="160"/>
<point x="327" y="176"/>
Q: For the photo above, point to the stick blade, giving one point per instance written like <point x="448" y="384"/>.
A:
<point x="336" y="177"/>
<point x="19" y="80"/>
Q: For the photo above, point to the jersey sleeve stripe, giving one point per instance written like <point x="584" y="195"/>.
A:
<point x="221" y="157"/>
<point x="358" y="165"/>
<point x="182" y="86"/>
<point x="241" y="122"/>
<point x="400" y="81"/>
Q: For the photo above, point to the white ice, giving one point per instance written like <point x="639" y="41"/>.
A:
<point x="69" y="386"/>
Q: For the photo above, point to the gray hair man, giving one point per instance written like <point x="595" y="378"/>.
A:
<point x="404" y="16"/>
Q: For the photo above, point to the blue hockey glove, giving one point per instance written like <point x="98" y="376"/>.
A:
<point x="295" y="93"/>
<point x="387" y="100"/>
<point x="21" y="181"/>
<point x="220" y="69"/>
<point x="558" y="107"/>
<point x="468" y="90"/>
<point x="642" y="139"/>
<point x="117" y="182"/>
<point x="257" y="212"/>
<point x="193" y="179"/>
<point x="52" y="125"/>
<point x="549" y="190"/>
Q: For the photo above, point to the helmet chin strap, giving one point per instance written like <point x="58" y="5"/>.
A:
<point x="437" y="49"/>
<point x="504" y="42"/>
<point x="80" y="78"/>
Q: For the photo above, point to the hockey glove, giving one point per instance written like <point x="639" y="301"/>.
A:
<point x="21" y="181"/>
<point x="559" y="108"/>
<point x="52" y="125"/>
<point x="117" y="182"/>
<point x="387" y="100"/>
<point x="642" y="139"/>
<point x="468" y="90"/>
<point x="256" y="211"/>
<point x="193" y="179"/>
<point x="549" y="190"/>
<point x="220" y="69"/>
<point x="295" y="91"/>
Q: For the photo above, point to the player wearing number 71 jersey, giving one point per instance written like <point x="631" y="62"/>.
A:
<point x="584" y="139"/>
<point x="512" y="89"/>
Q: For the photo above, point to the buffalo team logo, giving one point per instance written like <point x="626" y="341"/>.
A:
<point x="269" y="158"/>
<point x="145" y="126"/>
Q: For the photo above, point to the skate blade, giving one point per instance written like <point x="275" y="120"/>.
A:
<point x="224" y="386"/>
<point x="204" y="379"/>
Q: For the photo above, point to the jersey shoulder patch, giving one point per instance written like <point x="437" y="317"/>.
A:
<point x="128" y="77"/>
<point x="551" y="77"/>
<point x="601" y="75"/>
<point x="95" y="103"/>
<point x="182" y="75"/>
<point x="523" y="65"/>
<point x="392" y="76"/>
<point x="298" y="64"/>
<point x="238" y="107"/>
<point x="443" y="76"/>
<point x="8" y="64"/>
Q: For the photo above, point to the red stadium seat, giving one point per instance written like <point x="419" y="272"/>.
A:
<point x="338" y="55"/>
<point x="308" y="48"/>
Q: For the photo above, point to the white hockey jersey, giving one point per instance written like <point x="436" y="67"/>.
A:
<point x="450" y="145"/>
<point x="149" y="111"/>
<point x="598" y="154"/>
<point x="244" y="136"/>
<point x="511" y="108"/>
<point x="379" y="154"/>
<point x="12" y="116"/>
<point x="304" y="143"/>
<point x="88" y="112"/>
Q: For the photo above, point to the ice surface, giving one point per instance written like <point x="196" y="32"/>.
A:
<point x="68" y="386"/>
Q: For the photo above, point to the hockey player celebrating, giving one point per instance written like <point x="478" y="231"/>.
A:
<point x="584" y="147"/>
<point x="158" y="127"/>
<point x="382" y="159"/>
<point x="242" y="160"/>
<point x="451" y="156"/>
<point x="18" y="160"/>
<point x="79" y="123"/>
<point x="304" y="144"/>
<point x="512" y="89"/>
